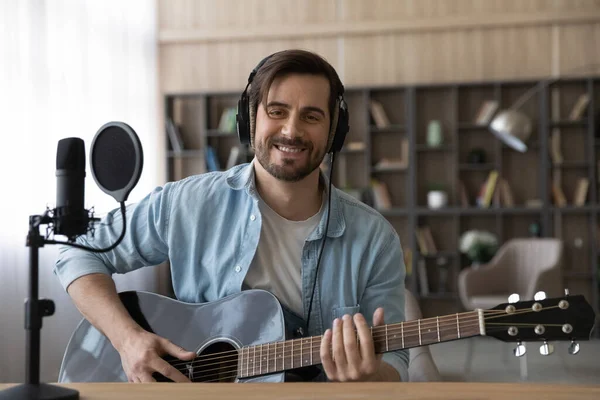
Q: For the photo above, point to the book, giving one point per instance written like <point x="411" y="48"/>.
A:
<point x="559" y="197"/>
<point x="506" y="195"/>
<point x="379" y="115"/>
<point x="579" y="107"/>
<point x="486" y="112"/>
<point x="490" y="186"/>
<point x="381" y="196"/>
<point x="174" y="136"/>
<point x="581" y="192"/>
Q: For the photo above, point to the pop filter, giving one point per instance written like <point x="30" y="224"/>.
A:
<point x="116" y="159"/>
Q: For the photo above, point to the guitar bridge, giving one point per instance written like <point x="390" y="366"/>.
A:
<point x="190" y="371"/>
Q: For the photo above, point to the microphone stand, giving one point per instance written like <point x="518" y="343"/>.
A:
<point x="35" y="310"/>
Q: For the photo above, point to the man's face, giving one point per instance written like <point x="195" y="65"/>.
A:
<point x="292" y="130"/>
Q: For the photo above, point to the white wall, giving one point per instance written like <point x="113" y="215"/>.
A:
<point x="66" y="68"/>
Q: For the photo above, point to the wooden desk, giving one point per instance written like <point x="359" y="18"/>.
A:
<point x="298" y="391"/>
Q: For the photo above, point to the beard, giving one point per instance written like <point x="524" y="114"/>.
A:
<point x="290" y="169"/>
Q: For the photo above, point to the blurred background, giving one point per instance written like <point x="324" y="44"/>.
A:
<point x="487" y="203"/>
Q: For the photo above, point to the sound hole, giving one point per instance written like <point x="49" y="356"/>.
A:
<point x="217" y="363"/>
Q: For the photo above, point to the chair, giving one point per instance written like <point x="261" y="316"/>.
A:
<point x="523" y="266"/>
<point x="421" y="366"/>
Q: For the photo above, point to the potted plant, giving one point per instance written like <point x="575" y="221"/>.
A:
<point x="478" y="246"/>
<point x="437" y="196"/>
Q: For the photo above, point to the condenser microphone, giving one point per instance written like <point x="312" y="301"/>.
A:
<point x="70" y="217"/>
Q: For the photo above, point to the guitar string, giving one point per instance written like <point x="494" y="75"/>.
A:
<point x="406" y="327"/>
<point x="392" y="329"/>
<point x="309" y="347"/>
<point x="233" y="366"/>
<point x="233" y="372"/>
<point x="274" y="361"/>
<point x="233" y="363"/>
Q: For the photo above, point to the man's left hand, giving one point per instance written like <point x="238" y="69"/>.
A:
<point x="346" y="359"/>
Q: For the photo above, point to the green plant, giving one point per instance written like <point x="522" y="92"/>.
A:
<point x="436" y="186"/>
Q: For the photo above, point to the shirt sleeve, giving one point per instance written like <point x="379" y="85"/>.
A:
<point x="144" y="243"/>
<point x="386" y="288"/>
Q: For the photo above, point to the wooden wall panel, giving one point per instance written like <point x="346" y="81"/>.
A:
<point x="579" y="45"/>
<point x="207" y="45"/>
<point x="225" y="66"/>
<point x="235" y="14"/>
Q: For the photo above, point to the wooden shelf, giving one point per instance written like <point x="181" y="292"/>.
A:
<point x="571" y="164"/>
<point x="411" y="108"/>
<point x="568" y="124"/>
<point x="385" y="170"/>
<point x="443" y="148"/>
<point x="476" y="167"/>
<point x="394" y="128"/>
<point x="467" y="126"/>
<point x="424" y="211"/>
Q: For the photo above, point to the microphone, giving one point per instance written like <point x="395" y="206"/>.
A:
<point x="70" y="217"/>
<point x="116" y="164"/>
<point x="116" y="161"/>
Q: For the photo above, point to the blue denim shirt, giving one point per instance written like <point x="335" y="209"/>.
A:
<point x="208" y="227"/>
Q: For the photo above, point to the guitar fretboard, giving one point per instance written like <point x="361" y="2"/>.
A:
<point x="290" y="354"/>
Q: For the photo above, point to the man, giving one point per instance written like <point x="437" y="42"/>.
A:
<point x="262" y="225"/>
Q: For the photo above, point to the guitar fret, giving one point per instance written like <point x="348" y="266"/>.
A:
<point x="402" y="332"/>
<point x="438" y="328"/>
<point x="301" y="354"/>
<point x="387" y="339"/>
<point x="254" y="362"/>
<point x="457" y="326"/>
<point x="419" y="327"/>
<point x="248" y="361"/>
<point x="268" y="358"/>
<point x="292" y="354"/>
<point x="311" y="350"/>
<point x="260" y="365"/>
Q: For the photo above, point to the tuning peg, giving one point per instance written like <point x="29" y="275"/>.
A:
<point x="573" y="347"/>
<point x="513" y="298"/>
<point x="546" y="349"/>
<point x="566" y="292"/>
<point x="539" y="296"/>
<point x="520" y="350"/>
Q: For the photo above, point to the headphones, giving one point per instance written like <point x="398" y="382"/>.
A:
<point x="244" y="117"/>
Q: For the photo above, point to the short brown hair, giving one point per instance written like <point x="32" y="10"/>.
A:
<point x="288" y="62"/>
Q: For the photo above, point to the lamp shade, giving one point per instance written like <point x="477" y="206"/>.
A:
<point x="513" y="128"/>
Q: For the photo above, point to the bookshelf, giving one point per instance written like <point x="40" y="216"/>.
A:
<point x="395" y="150"/>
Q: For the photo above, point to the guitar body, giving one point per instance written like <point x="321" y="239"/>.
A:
<point x="247" y="318"/>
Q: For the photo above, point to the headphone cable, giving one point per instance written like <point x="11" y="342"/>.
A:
<point x="322" y="242"/>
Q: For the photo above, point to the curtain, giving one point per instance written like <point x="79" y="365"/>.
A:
<point x="66" y="68"/>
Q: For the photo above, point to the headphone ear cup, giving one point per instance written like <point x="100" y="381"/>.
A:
<point x="342" y="128"/>
<point x="243" y="120"/>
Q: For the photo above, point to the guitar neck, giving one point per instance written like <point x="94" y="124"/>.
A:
<point x="290" y="354"/>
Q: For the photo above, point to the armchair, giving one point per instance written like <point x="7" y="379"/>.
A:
<point x="523" y="266"/>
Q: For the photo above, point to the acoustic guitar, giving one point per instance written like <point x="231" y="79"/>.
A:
<point x="241" y="338"/>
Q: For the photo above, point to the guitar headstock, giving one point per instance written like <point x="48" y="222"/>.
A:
<point x="568" y="318"/>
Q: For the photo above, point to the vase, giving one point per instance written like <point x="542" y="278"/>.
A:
<point x="437" y="199"/>
<point x="434" y="134"/>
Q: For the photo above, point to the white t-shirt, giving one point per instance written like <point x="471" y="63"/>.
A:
<point x="277" y="264"/>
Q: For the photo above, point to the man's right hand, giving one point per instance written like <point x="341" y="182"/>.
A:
<point x="141" y="354"/>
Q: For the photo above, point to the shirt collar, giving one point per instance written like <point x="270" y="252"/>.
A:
<point x="243" y="177"/>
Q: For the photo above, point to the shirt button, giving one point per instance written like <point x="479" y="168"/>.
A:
<point x="252" y="217"/>
<point x="238" y="268"/>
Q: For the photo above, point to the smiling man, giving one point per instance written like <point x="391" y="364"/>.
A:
<point x="276" y="224"/>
